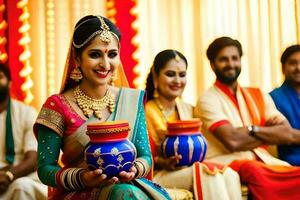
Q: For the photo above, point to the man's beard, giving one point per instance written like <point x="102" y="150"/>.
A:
<point x="4" y="93"/>
<point x="228" y="80"/>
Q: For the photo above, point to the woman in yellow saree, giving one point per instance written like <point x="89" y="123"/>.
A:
<point x="93" y="90"/>
<point x="165" y="84"/>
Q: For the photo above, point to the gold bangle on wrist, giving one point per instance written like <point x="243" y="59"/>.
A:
<point x="10" y="175"/>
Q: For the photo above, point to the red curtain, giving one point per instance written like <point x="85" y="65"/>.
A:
<point x="12" y="14"/>
<point x="121" y="12"/>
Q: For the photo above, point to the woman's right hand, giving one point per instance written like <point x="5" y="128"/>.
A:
<point x="170" y="162"/>
<point x="96" y="178"/>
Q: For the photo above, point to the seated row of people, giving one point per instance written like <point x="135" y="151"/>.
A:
<point x="238" y="124"/>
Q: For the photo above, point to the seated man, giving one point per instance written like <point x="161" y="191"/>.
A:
<point x="238" y="121"/>
<point x="287" y="100"/>
<point x="18" y="160"/>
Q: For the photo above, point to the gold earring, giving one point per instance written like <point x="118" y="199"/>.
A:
<point x="76" y="74"/>
<point x="155" y="94"/>
<point x="113" y="78"/>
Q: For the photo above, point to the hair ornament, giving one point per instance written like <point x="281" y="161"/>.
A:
<point x="105" y="35"/>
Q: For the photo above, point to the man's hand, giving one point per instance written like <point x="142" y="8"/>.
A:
<point x="4" y="182"/>
<point x="274" y="121"/>
<point x="170" y="162"/>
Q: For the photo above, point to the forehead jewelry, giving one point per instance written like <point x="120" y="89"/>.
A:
<point x="105" y="34"/>
<point x="177" y="58"/>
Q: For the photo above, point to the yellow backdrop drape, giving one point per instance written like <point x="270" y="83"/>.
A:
<point x="264" y="27"/>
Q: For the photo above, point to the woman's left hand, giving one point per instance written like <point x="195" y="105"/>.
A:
<point x="128" y="176"/>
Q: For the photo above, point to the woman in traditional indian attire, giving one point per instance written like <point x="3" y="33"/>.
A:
<point x="165" y="84"/>
<point x="88" y="95"/>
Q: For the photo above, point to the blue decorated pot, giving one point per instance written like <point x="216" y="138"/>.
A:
<point x="109" y="148"/>
<point x="184" y="138"/>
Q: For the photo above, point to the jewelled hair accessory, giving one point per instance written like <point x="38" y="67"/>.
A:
<point x="177" y="58"/>
<point x="104" y="33"/>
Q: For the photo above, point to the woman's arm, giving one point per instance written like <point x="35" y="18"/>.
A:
<point x="49" y="144"/>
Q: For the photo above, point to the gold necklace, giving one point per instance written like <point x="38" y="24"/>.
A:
<point x="91" y="106"/>
<point x="166" y="113"/>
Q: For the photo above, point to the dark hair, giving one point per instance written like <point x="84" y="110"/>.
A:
<point x="89" y="25"/>
<point x="288" y="52"/>
<point x="4" y="68"/>
<point x="218" y="44"/>
<point x="159" y="63"/>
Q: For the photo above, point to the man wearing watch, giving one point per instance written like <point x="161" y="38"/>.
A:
<point x="18" y="156"/>
<point x="239" y="122"/>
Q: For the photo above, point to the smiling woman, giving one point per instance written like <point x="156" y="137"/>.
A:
<point x="93" y="91"/>
<point x="165" y="84"/>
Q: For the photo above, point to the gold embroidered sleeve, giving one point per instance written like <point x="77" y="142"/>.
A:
<point x="52" y="119"/>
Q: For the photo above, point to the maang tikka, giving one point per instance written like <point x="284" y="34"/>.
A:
<point x="177" y="58"/>
<point x="105" y="34"/>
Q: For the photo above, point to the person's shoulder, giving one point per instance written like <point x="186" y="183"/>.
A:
<point x="54" y="102"/>
<point x="184" y="103"/>
<point x="208" y="93"/>
<point x="275" y="91"/>
<point x="150" y="104"/>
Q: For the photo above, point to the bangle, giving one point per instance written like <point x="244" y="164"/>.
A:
<point x="10" y="175"/>
<point x="137" y="170"/>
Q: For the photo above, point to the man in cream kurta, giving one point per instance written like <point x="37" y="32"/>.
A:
<point x="215" y="108"/>
<point x="18" y="180"/>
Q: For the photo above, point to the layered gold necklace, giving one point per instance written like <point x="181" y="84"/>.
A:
<point x="91" y="106"/>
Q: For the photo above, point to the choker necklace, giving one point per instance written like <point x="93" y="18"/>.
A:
<point x="91" y="106"/>
<point x="166" y="113"/>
